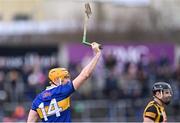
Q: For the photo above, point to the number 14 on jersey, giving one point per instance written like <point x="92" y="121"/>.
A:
<point x="52" y="109"/>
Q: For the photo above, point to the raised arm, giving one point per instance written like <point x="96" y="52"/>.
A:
<point x="88" y="69"/>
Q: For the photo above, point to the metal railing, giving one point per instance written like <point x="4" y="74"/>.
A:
<point x="125" y="110"/>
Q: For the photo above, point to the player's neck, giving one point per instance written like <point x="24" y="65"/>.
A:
<point x="158" y="101"/>
<point x="53" y="85"/>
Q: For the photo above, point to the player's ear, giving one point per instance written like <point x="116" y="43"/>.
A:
<point x="157" y="93"/>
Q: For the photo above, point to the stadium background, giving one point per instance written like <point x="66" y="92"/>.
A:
<point x="141" y="46"/>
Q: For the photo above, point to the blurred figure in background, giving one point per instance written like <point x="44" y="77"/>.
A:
<point x="53" y="104"/>
<point x="3" y="94"/>
<point x="19" y="115"/>
<point x="154" y="111"/>
<point x="15" y="86"/>
<point x="36" y="80"/>
<point x="111" y="77"/>
<point x="130" y="85"/>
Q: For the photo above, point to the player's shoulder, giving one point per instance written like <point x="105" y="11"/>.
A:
<point x="40" y="95"/>
<point x="151" y="107"/>
<point x="36" y="101"/>
<point x="37" y="97"/>
<point x="151" y="110"/>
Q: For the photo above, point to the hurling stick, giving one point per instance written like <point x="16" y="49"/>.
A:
<point x="87" y="15"/>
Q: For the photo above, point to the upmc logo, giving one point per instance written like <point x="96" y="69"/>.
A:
<point x="129" y="53"/>
<point x="125" y="51"/>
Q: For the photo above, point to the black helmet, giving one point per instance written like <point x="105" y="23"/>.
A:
<point x="160" y="86"/>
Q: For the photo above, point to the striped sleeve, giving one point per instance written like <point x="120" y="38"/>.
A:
<point x="151" y="112"/>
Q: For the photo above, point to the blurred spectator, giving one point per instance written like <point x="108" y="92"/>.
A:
<point x="110" y="61"/>
<point x="176" y="93"/>
<point x="7" y="119"/>
<point x="14" y="86"/>
<point x="142" y="78"/>
<point x="111" y="89"/>
<point x="3" y="93"/>
<point x="129" y="83"/>
<point x="163" y="60"/>
<point x="19" y="114"/>
<point x="36" y="82"/>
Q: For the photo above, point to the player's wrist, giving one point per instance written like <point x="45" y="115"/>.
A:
<point x="98" y="53"/>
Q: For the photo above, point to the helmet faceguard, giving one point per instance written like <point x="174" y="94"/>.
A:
<point x="163" y="87"/>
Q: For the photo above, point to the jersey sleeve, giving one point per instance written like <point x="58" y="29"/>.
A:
<point x="151" y="112"/>
<point x="66" y="89"/>
<point x="33" y="106"/>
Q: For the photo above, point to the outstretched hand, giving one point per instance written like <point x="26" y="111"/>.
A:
<point x="96" y="47"/>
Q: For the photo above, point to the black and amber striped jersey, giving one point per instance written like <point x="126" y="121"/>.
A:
<point x="155" y="112"/>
